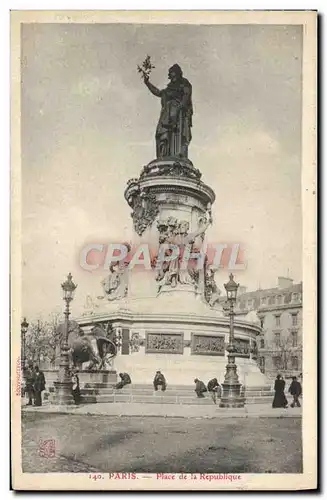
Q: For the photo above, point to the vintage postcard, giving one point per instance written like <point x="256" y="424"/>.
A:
<point x="163" y="250"/>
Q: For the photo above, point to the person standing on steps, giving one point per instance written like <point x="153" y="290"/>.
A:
<point x="159" y="380"/>
<point x="200" y="388"/>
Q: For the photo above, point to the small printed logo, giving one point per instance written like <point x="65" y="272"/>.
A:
<point x="47" y="448"/>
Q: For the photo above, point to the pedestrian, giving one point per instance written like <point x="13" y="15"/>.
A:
<point x="39" y="386"/>
<point x="75" y="388"/>
<point x="29" y="383"/>
<point x="214" y="389"/>
<point x="125" y="380"/>
<point x="295" y="390"/>
<point x="200" y="388"/>
<point x="280" y="400"/>
<point x="159" y="379"/>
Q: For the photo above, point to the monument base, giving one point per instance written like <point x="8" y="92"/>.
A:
<point x="105" y="378"/>
<point x="63" y="393"/>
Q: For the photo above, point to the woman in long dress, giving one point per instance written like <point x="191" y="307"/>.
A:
<point x="280" y="400"/>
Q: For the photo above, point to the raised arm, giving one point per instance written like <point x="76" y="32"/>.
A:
<point x="151" y="87"/>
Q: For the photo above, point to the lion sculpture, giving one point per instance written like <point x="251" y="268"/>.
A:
<point x="94" y="352"/>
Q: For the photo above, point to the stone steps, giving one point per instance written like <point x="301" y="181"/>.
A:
<point x="132" y="391"/>
<point x="179" y="400"/>
<point x="175" y="394"/>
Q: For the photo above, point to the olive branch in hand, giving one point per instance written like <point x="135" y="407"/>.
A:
<point x="146" y="68"/>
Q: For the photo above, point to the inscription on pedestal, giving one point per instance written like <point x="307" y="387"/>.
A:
<point x="213" y="345"/>
<point x="168" y="343"/>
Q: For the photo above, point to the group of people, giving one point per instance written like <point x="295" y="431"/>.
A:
<point x="158" y="381"/>
<point x="213" y="387"/>
<point x="295" y="390"/>
<point x="34" y="384"/>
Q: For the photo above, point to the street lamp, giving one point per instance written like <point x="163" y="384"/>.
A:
<point x="231" y="397"/>
<point x="24" y="327"/>
<point x="63" y="385"/>
<point x="118" y="339"/>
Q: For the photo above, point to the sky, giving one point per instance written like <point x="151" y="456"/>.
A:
<point x="88" y="125"/>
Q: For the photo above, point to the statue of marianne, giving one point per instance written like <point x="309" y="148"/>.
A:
<point x="173" y="134"/>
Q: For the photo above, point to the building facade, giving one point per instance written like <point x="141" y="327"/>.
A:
<point x="280" y="312"/>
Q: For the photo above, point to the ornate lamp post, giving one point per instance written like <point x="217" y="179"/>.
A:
<point x="231" y="397"/>
<point x="24" y="327"/>
<point x="64" y="385"/>
<point x="118" y="339"/>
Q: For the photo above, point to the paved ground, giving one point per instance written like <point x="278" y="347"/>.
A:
<point x="167" y="410"/>
<point x="86" y="443"/>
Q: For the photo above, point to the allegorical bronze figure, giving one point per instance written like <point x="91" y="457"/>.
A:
<point x="173" y="134"/>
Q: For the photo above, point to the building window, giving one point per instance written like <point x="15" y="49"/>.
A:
<point x="279" y="300"/>
<point x="262" y="343"/>
<point x="294" y="320"/>
<point x="294" y="339"/>
<point x="250" y="303"/>
<point x="262" y="321"/>
<point x="295" y="297"/>
<point x="277" y="360"/>
<point x="271" y="300"/>
<point x="264" y="301"/>
<point x="277" y="339"/>
<point x="295" y="363"/>
<point x="277" y="318"/>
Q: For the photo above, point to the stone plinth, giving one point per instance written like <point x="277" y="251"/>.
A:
<point x="63" y="393"/>
<point x="181" y="336"/>
<point x="101" y="378"/>
<point x="231" y="397"/>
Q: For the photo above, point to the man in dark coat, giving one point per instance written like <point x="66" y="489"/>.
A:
<point x="280" y="400"/>
<point x="295" y="390"/>
<point x="214" y="389"/>
<point x="39" y="386"/>
<point x="125" y="380"/>
<point x="75" y="388"/>
<point x="159" y="379"/>
<point x="200" y="388"/>
<point x="29" y="383"/>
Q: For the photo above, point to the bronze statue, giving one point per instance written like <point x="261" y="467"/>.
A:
<point x="173" y="134"/>
<point x="96" y="349"/>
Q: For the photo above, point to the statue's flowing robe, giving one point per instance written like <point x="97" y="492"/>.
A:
<point x="173" y="133"/>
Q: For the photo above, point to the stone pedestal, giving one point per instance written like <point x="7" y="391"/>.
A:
<point x="63" y="395"/>
<point x="97" y="379"/>
<point x="178" y="331"/>
<point x="231" y="397"/>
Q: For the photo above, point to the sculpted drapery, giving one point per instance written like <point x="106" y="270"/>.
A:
<point x="173" y="133"/>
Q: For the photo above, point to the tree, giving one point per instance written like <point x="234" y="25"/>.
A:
<point x="285" y="350"/>
<point x="42" y="339"/>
